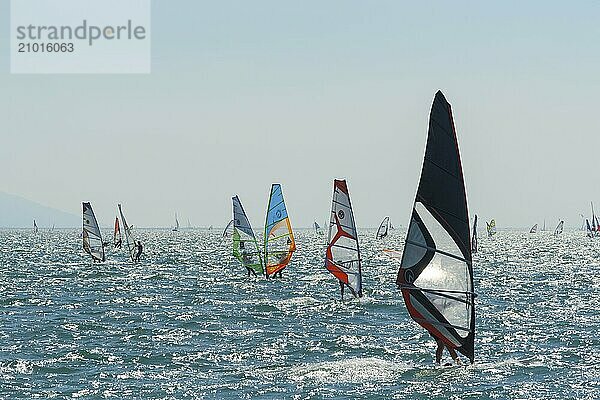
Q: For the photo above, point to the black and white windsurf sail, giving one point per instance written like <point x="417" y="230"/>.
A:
<point x="559" y="228"/>
<point x="129" y="237"/>
<point x="436" y="272"/>
<point x="383" y="229"/>
<point x="533" y="229"/>
<point x="92" y="239"/>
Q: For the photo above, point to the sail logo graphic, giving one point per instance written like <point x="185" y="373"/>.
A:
<point x="80" y="36"/>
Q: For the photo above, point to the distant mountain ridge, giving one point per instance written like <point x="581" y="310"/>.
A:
<point x="18" y="212"/>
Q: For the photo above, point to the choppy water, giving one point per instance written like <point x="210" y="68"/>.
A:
<point x="187" y="323"/>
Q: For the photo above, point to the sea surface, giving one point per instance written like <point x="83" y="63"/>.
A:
<point x="188" y="323"/>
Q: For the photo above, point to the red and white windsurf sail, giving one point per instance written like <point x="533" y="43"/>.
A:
<point x="436" y="272"/>
<point x="342" y="257"/>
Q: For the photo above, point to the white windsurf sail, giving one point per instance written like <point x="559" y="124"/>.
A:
<point x="176" y="227"/>
<point x="383" y="229"/>
<point x="342" y="257"/>
<point x="228" y="231"/>
<point x="245" y="245"/>
<point x="92" y="238"/>
<point x="129" y="237"/>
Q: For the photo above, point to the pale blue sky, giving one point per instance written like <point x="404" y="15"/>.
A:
<point x="243" y="94"/>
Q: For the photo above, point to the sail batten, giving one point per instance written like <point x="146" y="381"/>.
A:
<point x="436" y="272"/>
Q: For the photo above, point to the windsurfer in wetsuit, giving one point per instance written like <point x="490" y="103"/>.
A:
<point x="246" y="259"/>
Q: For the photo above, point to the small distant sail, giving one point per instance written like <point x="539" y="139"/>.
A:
<point x="279" y="238"/>
<point x="117" y="237"/>
<point x="474" y="239"/>
<point x="342" y="257"/>
<point x="544" y="228"/>
<point x="210" y="228"/>
<point x="245" y="245"/>
<point x="559" y="228"/>
<point x="35" y="227"/>
<point x="436" y="272"/>
<point x="491" y="228"/>
<point x="318" y="229"/>
<point x="176" y="227"/>
<point x="589" y="230"/>
<point x="228" y="231"/>
<point x="129" y="237"/>
<point x="383" y="229"/>
<point x="533" y="229"/>
<point x="92" y="239"/>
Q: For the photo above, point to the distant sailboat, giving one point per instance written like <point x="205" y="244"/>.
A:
<point x="117" y="237"/>
<point x="559" y="228"/>
<point x="129" y="237"/>
<point x="491" y="228"/>
<point x="594" y="224"/>
<point x="436" y="272"/>
<point x="92" y="238"/>
<point x="35" y="227"/>
<point x="383" y="229"/>
<point x="210" y="228"/>
<point x="176" y="227"/>
<point x="533" y="229"/>
<point x="474" y="239"/>
<point x="318" y="229"/>
<point x="279" y="238"/>
<point x="342" y="257"/>
<point x="245" y="245"/>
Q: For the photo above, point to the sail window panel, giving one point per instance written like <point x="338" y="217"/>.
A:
<point x="451" y="278"/>
<point x="443" y="241"/>
<point x="415" y="247"/>
<point x="447" y="332"/>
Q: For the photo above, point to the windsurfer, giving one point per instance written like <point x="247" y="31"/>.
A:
<point x="140" y="249"/>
